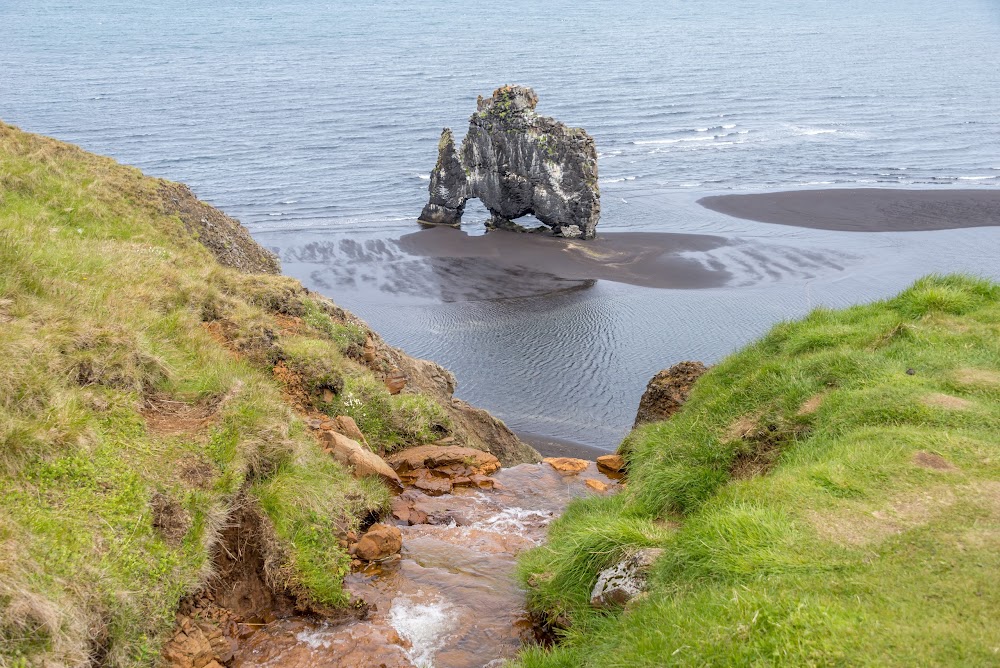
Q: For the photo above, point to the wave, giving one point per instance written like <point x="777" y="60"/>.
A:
<point x="643" y="142"/>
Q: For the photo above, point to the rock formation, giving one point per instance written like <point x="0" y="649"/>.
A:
<point x="517" y="163"/>
<point x="667" y="392"/>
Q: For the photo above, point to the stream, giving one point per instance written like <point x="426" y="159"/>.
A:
<point x="451" y="600"/>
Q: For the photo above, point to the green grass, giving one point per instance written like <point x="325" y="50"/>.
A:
<point x="107" y="307"/>
<point x="849" y="549"/>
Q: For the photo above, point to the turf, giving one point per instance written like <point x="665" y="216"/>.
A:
<point x="828" y="496"/>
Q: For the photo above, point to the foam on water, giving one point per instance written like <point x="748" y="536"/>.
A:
<point x="515" y="520"/>
<point x="315" y="638"/>
<point x="425" y="625"/>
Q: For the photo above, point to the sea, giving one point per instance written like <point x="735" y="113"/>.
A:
<point x="315" y="122"/>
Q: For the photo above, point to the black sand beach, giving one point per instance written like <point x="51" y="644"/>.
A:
<point x="865" y="209"/>
<point x="648" y="259"/>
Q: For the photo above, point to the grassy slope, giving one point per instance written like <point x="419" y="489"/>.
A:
<point x="108" y="307"/>
<point x="853" y="549"/>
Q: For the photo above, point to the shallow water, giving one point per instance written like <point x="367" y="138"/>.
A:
<point x="452" y="601"/>
<point x="572" y="362"/>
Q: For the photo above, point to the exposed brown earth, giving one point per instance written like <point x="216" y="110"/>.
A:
<point x="223" y="235"/>
<point x="947" y="401"/>
<point x="667" y="391"/>
<point x="930" y="460"/>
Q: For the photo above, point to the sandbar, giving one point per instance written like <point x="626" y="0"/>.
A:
<point x="865" y="209"/>
<point x="650" y="259"/>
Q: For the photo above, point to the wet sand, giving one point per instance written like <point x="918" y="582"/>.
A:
<point x="865" y="209"/>
<point x="649" y="259"/>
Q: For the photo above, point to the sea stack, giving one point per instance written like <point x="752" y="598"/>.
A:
<point x="517" y="163"/>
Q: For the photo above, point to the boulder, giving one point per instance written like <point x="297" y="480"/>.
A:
<point x="346" y="425"/>
<point x="568" y="465"/>
<point x="358" y="458"/>
<point x="619" y="584"/>
<point x="395" y="381"/>
<point x="613" y="463"/>
<point x="667" y="392"/>
<point x="438" y="457"/>
<point x="379" y="542"/>
<point x="517" y="162"/>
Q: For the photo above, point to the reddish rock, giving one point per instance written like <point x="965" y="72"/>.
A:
<point x="379" y="542"/>
<point x="433" y="485"/>
<point x="370" y="352"/>
<point x="348" y="427"/>
<point x="436" y="456"/>
<point x="614" y="463"/>
<point x="396" y="381"/>
<point x="360" y="459"/>
<point x="597" y="485"/>
<point x="483" y="482"/>
<point x="567" y="465"/>
<point x="200" y="644"/>
<point x="404" y="510"/>
<point x="667" y="392"/>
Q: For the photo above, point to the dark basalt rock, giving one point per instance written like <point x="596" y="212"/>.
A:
<point x="517" y="163"/>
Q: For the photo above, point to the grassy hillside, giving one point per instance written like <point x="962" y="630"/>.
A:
<point x="829" y="496"/>
<point x="146" y="396"/>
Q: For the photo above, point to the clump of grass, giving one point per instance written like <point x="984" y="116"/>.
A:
<point x="390" y="422"/>
<point x="311" y="503"/>
<point x="320" y="365"/>
<point x="349" y="337"/>
<point x="847" y="547"/>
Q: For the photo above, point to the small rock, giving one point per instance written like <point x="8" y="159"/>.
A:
<point x="483" y="482"/>
<point x="396" y="381"/>
<point x="614" y="463"/>
<point x="379" y="542"/>
<point x="597" y="485"/>
<point x="328" y="395"/>
<point x="617" y="585"/>
<point x="360" y="459"/>
<point x="349" y="428"/>
<point x="431" y="484"/>
<point x="567" y="464"/>
<point x="370" y="353"/>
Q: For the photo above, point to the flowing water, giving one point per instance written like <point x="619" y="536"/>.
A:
<point x="451" y="601"/>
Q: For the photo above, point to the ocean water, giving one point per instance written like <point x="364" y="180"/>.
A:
<point x="316" y="124"/>
<point x="318" y="113"/>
